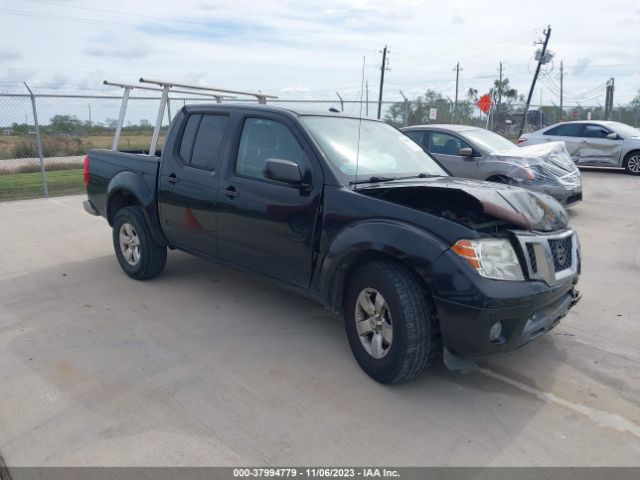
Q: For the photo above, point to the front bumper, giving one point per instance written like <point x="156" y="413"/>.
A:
<point x="465" y="329"/>
<point x="469" y="305"/>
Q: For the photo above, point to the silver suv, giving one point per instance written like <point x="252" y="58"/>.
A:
<point x="602" y="144"/>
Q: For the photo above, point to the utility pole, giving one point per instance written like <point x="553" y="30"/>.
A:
<point x="455" y="106"/>
<point x="367" y="98"/>
<point x="561" y="89"/>
<point x="383" y="67"/>
<point x="608" y="102"/>
<point x="541" y="59"/>
<point x="500" y="88"/>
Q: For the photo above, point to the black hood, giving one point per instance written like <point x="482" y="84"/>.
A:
<point x="522" y="208"/>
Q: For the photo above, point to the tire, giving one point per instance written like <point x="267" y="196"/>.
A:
<point x="631" y="163"/>
<point x="415" y="333"/>
<point x="151" y="256"/>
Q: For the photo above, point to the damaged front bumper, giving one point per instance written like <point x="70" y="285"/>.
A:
<point x="565" y="195"/>
<point x="480" y="316"/>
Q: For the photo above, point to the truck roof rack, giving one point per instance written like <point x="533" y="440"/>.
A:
<point x="166" y="87"/>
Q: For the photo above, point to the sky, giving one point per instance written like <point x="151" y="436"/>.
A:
<point x="313" y="49"/>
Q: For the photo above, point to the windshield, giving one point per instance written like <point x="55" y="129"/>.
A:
<point x="488" y="141"/>
<point x="383" y="150"/>
<point x="623" y="129"/>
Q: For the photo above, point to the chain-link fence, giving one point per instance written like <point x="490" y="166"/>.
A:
<point x="45" y="158"/>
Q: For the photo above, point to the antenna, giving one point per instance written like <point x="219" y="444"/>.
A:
<point x="364" y="60"/>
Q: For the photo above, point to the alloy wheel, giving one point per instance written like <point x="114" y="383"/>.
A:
<point x="373" y="323"/>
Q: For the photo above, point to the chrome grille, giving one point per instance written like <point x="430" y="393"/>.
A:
<point x="532" y="257"/>
<point x="561" y="251"/>
<point x="550" y="257"/>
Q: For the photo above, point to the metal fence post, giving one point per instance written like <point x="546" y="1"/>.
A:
<point x="43" y="173"/>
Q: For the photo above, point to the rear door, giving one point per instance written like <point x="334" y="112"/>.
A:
<point x="188" y="185"/>
<point x="596" y="148"/>
<point x="445" y="147"/>
<point x="569" y="133"/>
<point x="266" y="225"/>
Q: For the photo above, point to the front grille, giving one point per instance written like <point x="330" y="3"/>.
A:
<point x="561" y="252"/>
<point x="532" y="257"/>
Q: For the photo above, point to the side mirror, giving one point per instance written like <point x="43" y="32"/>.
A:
<point x="465" y="152"/>
<point x="283" y="171"/>
<point x="613" y="136"/>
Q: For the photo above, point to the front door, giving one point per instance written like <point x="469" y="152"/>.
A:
<point x="445" y="148"/>
<point x="596" y="148"/>
<point x="266" y="225"/>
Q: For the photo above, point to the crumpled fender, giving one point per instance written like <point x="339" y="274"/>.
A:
<point x="408" y="244"/>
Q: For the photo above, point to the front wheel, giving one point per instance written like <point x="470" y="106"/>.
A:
<point x="390" y="322"/>
<point x="139" y="255"/>
<point x="632" y="163"/>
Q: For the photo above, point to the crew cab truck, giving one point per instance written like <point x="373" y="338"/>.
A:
<point x="353" y="213"/>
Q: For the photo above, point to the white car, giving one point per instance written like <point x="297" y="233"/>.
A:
<point x="594" y="143"/>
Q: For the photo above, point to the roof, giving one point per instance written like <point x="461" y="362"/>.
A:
<point x="270" y="108"/>
<point x="442" y="126"/>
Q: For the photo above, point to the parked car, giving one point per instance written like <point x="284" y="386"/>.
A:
<point x="354" y="214"/>
<point x="595" y="143"/>
<point x="472" y="152"/>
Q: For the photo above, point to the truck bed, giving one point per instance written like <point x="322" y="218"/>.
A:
<point x="108" y="166"/>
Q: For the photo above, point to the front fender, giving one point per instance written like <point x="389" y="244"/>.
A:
<point x="369" y="239"/>
<point x="134" y="185"/>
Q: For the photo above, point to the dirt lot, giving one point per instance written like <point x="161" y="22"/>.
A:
<point x="208" y="366"/>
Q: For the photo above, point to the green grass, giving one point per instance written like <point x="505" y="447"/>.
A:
<point x="27" y="185"/>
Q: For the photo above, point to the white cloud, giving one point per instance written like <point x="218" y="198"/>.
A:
<point x="318" y="46"/>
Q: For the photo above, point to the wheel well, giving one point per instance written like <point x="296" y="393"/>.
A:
<point x="497" y="178"/>
<point x="118" y="201"/>
<point x="632" y="152"/>
<point x="347" y="268"/>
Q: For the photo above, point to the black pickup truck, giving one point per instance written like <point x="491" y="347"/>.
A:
<point x="353" y="213"/>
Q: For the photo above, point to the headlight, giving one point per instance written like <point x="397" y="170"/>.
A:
<point x="491" y="257"/>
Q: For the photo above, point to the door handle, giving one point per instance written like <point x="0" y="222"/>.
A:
<point x="172" y="179"/>
<point x="230" y="192"/>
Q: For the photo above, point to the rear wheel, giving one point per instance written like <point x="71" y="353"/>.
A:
<point x="139" y="255"/>
<point x="632" y="163"/>
<point x="390" y="322"/>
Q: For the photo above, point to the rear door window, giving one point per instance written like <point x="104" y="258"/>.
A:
<point x="566" y="130"/>
<point x="201" y="144"/>
<point x="415" y="135"/>
<point x="188" y="137"/>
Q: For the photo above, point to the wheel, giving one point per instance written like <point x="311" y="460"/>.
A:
<point x="139" y="255"/>
<point x="632" y="163"/>
<point x="390" y="322"/>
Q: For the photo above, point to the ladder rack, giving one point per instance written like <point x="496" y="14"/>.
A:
<point x="166" y="87"/>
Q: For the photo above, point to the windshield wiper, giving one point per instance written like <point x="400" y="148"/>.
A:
<point x="372" y="180"/>
<point x="420" y="175"/>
